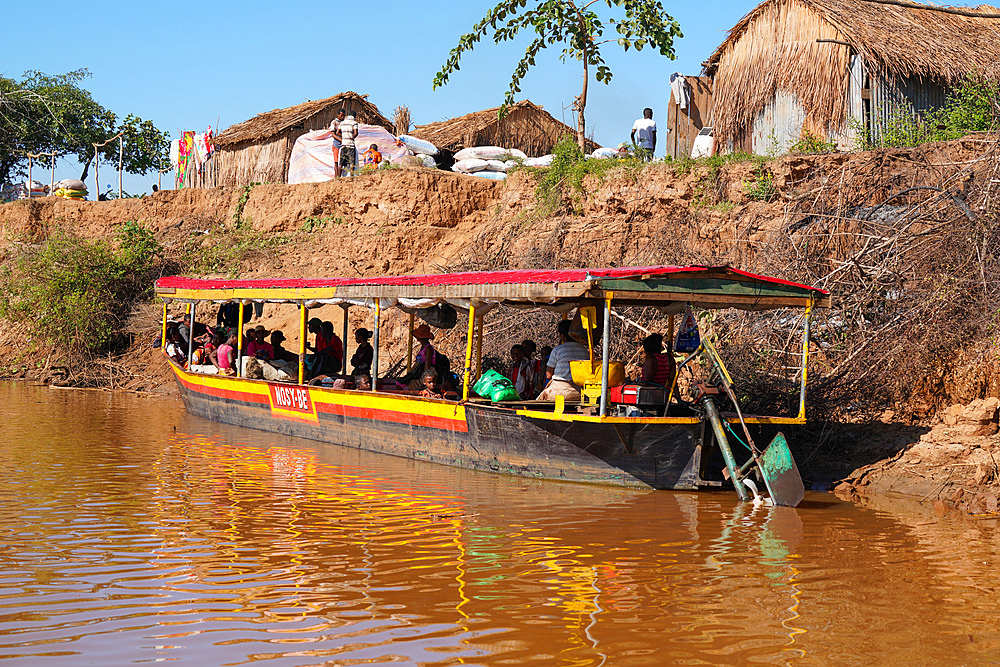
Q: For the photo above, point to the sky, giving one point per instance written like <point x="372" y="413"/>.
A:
<point x="187" y="65"/>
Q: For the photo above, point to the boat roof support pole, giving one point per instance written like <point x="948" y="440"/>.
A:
<point x="239" y="340"/>
<point x="378" y="316"/>
<point x="479" y="349"/>
<point x="191" y="338"/>
<point x="163" y="330"/>
<point x="805" y="362"/>
<point x="343" y="365"/>
<point x="470" y="339"/>
<point x="303" y="332"/>
<point x="606" y="352"/>
<point x="409" y="348"/>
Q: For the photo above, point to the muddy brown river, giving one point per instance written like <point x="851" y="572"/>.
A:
<point x="131" y="532"/>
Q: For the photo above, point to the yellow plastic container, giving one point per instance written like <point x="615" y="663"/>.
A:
<point x="584" y="374"/>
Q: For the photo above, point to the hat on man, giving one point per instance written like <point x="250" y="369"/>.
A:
<point x="261" y="330"/>
<point x="278" y="336"/>
<point x="423" y="332"/>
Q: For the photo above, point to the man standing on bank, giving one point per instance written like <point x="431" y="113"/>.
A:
<point x="348" y="151"/>
<point x="335" y="129"/>
<point x="646" y="127"/>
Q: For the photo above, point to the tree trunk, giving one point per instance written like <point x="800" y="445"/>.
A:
<point x="581" y="103"/>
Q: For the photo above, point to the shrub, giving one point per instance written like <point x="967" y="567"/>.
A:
<point x="77" y="294"/>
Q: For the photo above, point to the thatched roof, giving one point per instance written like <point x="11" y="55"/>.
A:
<point x="526" y="126"/>
<point x="268" y="124"/>
<point x="804" y="47"/>
<point x="899" y="39"/>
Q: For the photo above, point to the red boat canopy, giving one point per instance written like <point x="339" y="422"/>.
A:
<point x="716" y="287"/>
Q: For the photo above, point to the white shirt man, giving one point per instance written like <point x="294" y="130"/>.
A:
<point x="646" y="129"/>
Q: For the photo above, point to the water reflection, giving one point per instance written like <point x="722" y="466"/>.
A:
<point x="130" y="532"/>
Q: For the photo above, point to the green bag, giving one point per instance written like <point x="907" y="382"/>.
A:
<point x="495" y="387"/>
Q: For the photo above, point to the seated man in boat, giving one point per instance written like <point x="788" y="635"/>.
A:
<point x="658" y="367"/>
<point x="258" y="346"/>
<point x="557" y="370"/>
<point x="201" y="332"/>
<point x="278" y="349"/>
<point x="328" y="352"/>
<point x="427" y="357"/>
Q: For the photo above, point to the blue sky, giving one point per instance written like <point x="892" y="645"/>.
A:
<point x="187" y="65"/>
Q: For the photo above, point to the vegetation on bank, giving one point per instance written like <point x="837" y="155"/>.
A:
<point x="77" y="295"/>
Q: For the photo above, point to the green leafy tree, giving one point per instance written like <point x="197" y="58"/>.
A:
<point x="577" y="27"/>
<point x="42" y="114"/>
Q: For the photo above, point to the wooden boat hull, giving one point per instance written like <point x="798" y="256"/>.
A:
<point x="478" y="437"/>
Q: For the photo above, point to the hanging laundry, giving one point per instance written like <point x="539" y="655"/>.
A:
<point x="184" y="159"/>
<point x="680" y="89"/>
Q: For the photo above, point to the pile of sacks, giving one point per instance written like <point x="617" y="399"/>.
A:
<point x="422" y="150"/>
<point x="489" y="161"/>
<point x="70" y="188"/>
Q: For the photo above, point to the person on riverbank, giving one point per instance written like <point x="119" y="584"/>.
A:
<point x="348" y="151"/>
<point x="557" y="373"/>
<point x="371" y="158"/>
<point x="645" y="127"/>
<point x="335" y="130"/>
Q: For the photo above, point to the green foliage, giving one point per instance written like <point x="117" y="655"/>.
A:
<point x="224" y="249"/>
<point x="761" y="187"/>
<point x="811" y="144"/>
<point x="77" y="294"/>
<point x="970" y="107"/>
<point x="241" y="204"/>
<point x="569" y="168"/>
<point x="41" y="114"/>
<point x="315" y="223"/>
<point x="577" y="28"/>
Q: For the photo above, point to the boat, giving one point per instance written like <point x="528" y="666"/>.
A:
<point x="602" y="439"/>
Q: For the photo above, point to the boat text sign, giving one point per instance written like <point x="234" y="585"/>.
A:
<point x="290" y="402"/>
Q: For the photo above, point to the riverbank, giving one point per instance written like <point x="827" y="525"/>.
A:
<point x="897" y="235"/>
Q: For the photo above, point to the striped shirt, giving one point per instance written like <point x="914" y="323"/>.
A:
<point x="348" y="130"/>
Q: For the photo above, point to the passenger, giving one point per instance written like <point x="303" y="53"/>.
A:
<point x="427" y="357"/>
<point x="314" y="361"/>
<point x="217" y="341"/>
<point x="174" y="348"/>
<point x="259" y="347"/>
<point x="658" y="367"/>
<point x="201" y="333"/>
<point x="557" y="373"/>
<point x="432" y="388"/>
<point x="362" y="381"/>
<point x="278" y="350"/>
<point x="334" y="352"/>
<point x="225" y="355"/>
<point x="537" y="377"/>
<point x="519" y="372"/>
<point x="249" y="336"/>
<point x="361" y="360"/>
<point x="202" y="355"/>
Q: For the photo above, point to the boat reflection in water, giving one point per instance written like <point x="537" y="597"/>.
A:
<point x="125" y="541"/>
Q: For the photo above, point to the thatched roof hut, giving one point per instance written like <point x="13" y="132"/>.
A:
<point x="525" y="126"/>
<point x="794" y="65"/>
<point x="258" y="150"/>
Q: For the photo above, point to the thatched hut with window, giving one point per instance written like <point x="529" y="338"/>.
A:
<point x="258" y="150"/>
<point x="525" y="126"/>
<point x="836" y="67"/>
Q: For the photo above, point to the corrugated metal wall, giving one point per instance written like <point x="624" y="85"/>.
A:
<point x="892" y="96"/>
<point x="779" y="125"/>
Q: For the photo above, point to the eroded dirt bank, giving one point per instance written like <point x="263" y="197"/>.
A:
<point x="849" y="222"/>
